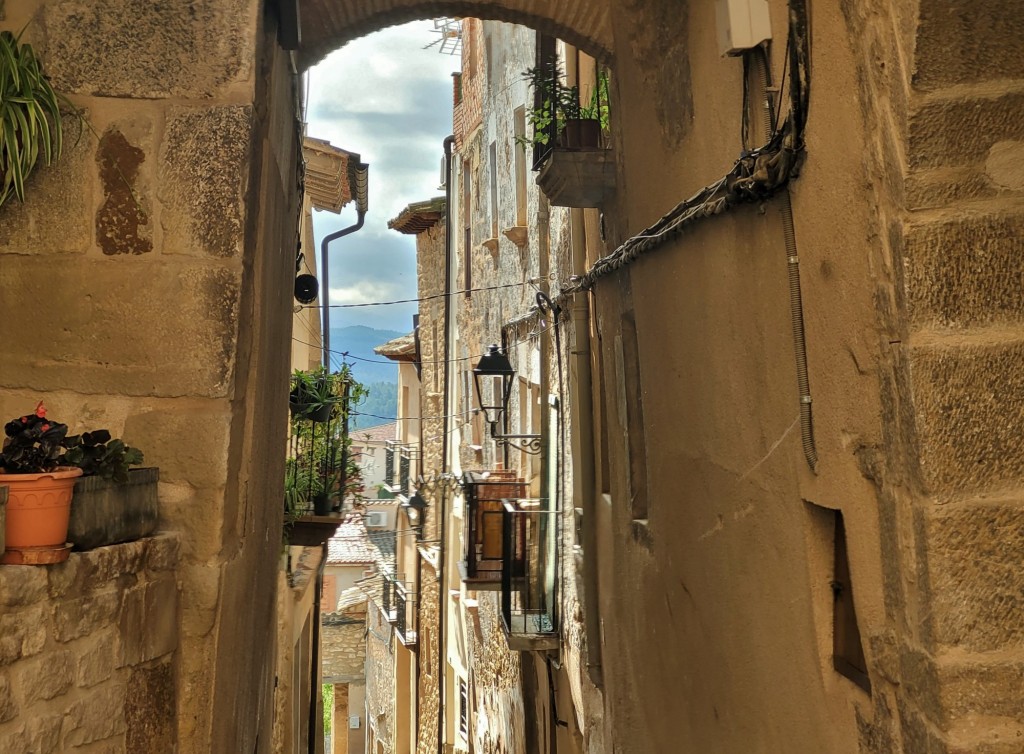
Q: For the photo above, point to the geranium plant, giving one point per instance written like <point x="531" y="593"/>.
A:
<point x="33" y="444"/>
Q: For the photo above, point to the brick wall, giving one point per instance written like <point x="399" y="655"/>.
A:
<point x="88" y="650"/>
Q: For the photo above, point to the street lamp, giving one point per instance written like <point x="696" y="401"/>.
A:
<point x="494" y="367"/>
<point x="414" y="510"/>
<point x="496" y="370"/>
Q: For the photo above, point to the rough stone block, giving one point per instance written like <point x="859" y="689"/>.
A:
<point x="972" y="572"/>
<point x="149" y="622"/>
<point x="203" y="176"/>
<point x="120" y="48"/>
<point x="966" y="41"/>
<point x="85" y="615"/>
<point x="962" y="131"/>
<point x="8" y="707"/>
<point x="966" y="271"/>
<point x="105" y="564"/>
<point x="56" y="215"/>
<point x="15" y="740"/>
<point x="96" y="663"/>
<point x="969" y="403"/>
<point x="95" y="717"/>
<point x="47" y="677"/>
<point x="191" y="444"/>
<point x="983" y="690"/>
<point x="22" y="586"/>
<point x="149" y="709"/>
<point x="22" y="634"/>
<point x="196" y="512"/>
<point x="163" y="552"/>
<point x="44" y="734"/>
<point x="176" y="339"/>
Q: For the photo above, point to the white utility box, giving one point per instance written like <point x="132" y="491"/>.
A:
<point x="742" y="24"/>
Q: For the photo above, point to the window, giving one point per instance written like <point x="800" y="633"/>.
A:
<point x="520" y="165"/>
<point x="847" y="649"/>
<point x="492" y="158"/>
<point x="631" y="416"/>
<point x="463" y="708"/>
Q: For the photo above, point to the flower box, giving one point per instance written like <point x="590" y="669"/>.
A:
<point x="104" y="512"/>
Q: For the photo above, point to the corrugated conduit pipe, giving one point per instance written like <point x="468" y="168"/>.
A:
<point x="796" y="307"/>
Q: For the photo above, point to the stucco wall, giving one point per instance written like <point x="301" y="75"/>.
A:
<point x="89" y="651"/>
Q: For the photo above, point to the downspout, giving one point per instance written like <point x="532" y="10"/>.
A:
<point x="314" y="693"/>
<point x="796" y="307"/>
<point x="583" y="454"/>
<point x="362" y="201"/>
<point x="442" y="520"/>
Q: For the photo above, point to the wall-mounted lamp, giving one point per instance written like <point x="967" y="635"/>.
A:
<point x="495" y="368"/>
<point x="414" y="510"/>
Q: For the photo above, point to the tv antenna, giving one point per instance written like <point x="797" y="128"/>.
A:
<point x="449" y="31"/>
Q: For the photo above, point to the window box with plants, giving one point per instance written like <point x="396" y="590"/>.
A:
<point x="575" y="167"/>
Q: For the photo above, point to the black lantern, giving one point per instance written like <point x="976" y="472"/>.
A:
<point x="414" y="510"/>
<point x="494" y="369"/>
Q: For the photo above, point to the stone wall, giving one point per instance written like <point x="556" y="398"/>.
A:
<point x="380" y="679"/>
<point x="343" y="646"/>
<point x="89" y="651"/>
<point x="160" y="241"/>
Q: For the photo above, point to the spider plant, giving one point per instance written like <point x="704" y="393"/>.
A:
<point x="30" y="116"/>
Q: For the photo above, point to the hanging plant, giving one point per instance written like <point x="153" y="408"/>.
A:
<point x="30" y="116"/>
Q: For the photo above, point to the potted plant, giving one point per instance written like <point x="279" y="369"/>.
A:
<point x="113" y="502"/>
<point x="315" y="394"/>
<point x="31" y="125"/>
<point x="558" y="111"/>
<point x="40" y="488"/>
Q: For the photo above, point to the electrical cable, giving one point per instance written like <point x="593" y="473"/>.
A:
<point x="531" y="281"/>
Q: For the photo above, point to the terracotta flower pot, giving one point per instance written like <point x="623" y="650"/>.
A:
<point x="38" y="507"/>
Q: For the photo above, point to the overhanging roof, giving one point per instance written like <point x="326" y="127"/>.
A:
<point x="419" y="216"/>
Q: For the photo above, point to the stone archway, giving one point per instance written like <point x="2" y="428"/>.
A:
<point x="329" y="24"/>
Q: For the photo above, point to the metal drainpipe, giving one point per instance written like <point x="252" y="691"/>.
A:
<point x="449" y="142"/>
<point x="362" y="202"/>
<point x="583" y="453"/>
<point x="315" y="664"/>
<point x="796" y="307"/>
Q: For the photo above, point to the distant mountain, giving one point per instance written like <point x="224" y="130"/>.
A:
<point x="359" y="341"/>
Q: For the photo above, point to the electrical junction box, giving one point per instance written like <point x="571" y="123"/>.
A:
<point x="354" y="722"/>
<point x="742" y="25"/>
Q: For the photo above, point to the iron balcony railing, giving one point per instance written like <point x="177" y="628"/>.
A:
<point x="398" y="601"/>
<point x="401" y="467"/>
<point x="315" y="469"/>
<point x="389" y="462"/>
<point x="485" y="492"/>
<point x="405" y="613"/>
<point x="409" y="471"/>
<point x="530" y="573"/>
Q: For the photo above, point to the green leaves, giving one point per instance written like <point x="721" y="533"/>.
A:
<point x="96" y="454"/>
<point x="30" y="116"/>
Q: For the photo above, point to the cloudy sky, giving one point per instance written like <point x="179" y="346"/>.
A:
<point x="389" y="100"/>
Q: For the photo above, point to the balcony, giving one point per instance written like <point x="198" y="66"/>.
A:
<point x="317" y="473"/>
<point x="401" y="468"/>
<point x="529" y="575"/>
<point x="485" y="492"/>
<point x="398" y="602"/>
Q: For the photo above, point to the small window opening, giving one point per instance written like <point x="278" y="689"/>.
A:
<point x="847" y="648"/>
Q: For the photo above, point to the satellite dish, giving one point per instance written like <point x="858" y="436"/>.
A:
<point x="307" y="287"/>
